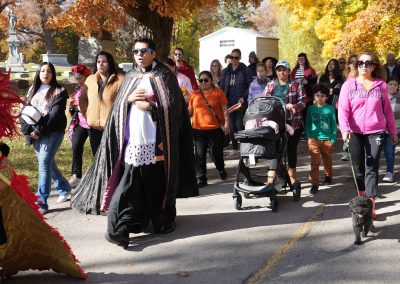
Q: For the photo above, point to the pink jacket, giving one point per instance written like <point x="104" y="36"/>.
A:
<point x="365" y="112"/>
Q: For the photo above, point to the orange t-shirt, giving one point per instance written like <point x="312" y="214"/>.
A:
<point x="202" y="117"/>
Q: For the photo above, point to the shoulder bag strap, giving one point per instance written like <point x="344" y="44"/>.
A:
<point x="209" y="106"/>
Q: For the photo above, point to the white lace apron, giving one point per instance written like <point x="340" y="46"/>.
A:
<point x="140" y="149"/>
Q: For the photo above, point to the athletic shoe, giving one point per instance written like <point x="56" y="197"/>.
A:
<point x="345" y="157"/>
<point x="328" y="180"/>
<point x="74" y="181"/>
<point x="62" y="198"/>
<point x="388" y="177"/>
<point x="314" y="189"/>
<point x="223" y="175"/>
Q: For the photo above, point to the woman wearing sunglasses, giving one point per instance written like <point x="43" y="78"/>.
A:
<point x="208" y="109"/>
<point x="364" y="116"/>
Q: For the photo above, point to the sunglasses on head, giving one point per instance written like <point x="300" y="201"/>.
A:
<point x="143" y="50"/>
<point x="205" y="80"/>
<point x="365" y="63"/>
<point x="236" y="57"/>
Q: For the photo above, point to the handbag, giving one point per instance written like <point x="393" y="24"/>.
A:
<point x="31" y="115"/>
<point x="210" y="108"/>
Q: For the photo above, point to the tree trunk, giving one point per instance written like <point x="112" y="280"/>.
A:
<point x="48" y="38"/>
<point x="160" y="27"/>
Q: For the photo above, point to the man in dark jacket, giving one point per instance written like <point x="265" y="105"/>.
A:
<point x="235" y="81"/>
<point x="392" y="69"/>
<point x="145" y="159"/>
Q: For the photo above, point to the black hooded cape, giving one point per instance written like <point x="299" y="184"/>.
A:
<point x="95" y="190"/>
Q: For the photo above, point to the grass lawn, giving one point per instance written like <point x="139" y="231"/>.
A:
<point x="24" y="160"/>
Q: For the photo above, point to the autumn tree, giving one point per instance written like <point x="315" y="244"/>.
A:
<point x="158" y="16"/>
<point x="33" y="17"/>
<point x="346" y="27"/>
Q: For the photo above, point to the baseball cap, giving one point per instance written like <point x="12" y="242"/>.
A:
<point x="282" y="63"/>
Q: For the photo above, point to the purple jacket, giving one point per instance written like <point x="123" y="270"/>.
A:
<point x="365" y="112"/>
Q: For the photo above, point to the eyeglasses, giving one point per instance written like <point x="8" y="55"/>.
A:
<point x="143" y="50"/>
<point x="365" y="63"/>
<point x="204" y="80"/>
<point x="178" y="54"/>
<point x="236" y="57"/>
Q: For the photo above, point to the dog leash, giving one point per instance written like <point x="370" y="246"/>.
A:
<point x="346" y="143"/>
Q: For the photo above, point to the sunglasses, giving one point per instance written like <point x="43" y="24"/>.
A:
<point x="178" y="54"/>
<point x="342" y="62"/>
<point x="136" y="51"/>
<point x="204" y="80"/>
<point x="236" y="57"/>
<point x="365" y="63"/>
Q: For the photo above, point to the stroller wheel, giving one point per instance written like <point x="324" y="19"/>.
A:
<point x="296" y="191"/>
<point x="274" y="204"/>
<point x="237" y="202"/>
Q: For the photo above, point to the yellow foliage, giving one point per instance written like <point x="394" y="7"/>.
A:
<point x="346" y="27"/>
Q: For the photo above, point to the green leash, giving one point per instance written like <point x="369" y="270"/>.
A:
<point x="346" y="146"/>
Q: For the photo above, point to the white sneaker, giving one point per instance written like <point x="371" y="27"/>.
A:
<point x="62" y="198"/>
<point x="388" y="177"/>
<point x="74" y="181"/>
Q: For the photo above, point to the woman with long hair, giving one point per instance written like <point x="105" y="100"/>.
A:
<point x="365" y="114"/>
<point x="98" y="96"/>
<point x="216" y="70"/>
<point x="333" y="79"/>
<point x="208" y="109"/>
<point x="50" y="99"/>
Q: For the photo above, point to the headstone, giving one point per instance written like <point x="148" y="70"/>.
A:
<point x="87" y="50"/>
<point x="14" y="60"/>
<point x="67" y="74"/>
<point x="126" y="66"/>
<point x="89" y="47"/>
<point x="22" y="75"/>
<point x="56" y="59"/>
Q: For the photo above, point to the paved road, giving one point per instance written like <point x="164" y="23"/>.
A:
<point x="310" y="241"/>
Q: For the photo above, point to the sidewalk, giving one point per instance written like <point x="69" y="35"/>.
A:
<point x="309" y="241"/>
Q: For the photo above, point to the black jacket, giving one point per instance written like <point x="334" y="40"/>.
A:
<point x="54" y="121"/>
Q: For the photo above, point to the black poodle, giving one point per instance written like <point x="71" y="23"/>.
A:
<point x="361" y="213"/>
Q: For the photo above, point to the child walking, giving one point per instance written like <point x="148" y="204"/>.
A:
<point x="389" y="149"/>
<point x="321" y="136"/>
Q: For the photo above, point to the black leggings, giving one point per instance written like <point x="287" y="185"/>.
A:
<point x="292" y="143"/>
<point x="78" y="142"/>
<point x="203" y="138"/>
<point x="95" y="139"/>
<point x="365" y="151"/>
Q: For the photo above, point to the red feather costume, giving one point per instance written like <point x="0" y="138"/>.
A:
<point x="26" y="240"/>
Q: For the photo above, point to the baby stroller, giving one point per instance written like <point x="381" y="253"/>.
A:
<point x="264" y="138"/>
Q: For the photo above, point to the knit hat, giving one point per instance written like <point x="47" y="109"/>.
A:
<point x="252" y="55"/>
<point x="81" y="69"/>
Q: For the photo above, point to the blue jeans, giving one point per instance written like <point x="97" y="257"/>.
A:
<point x="45" y="149"/>
<point x="389" y="153"/>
